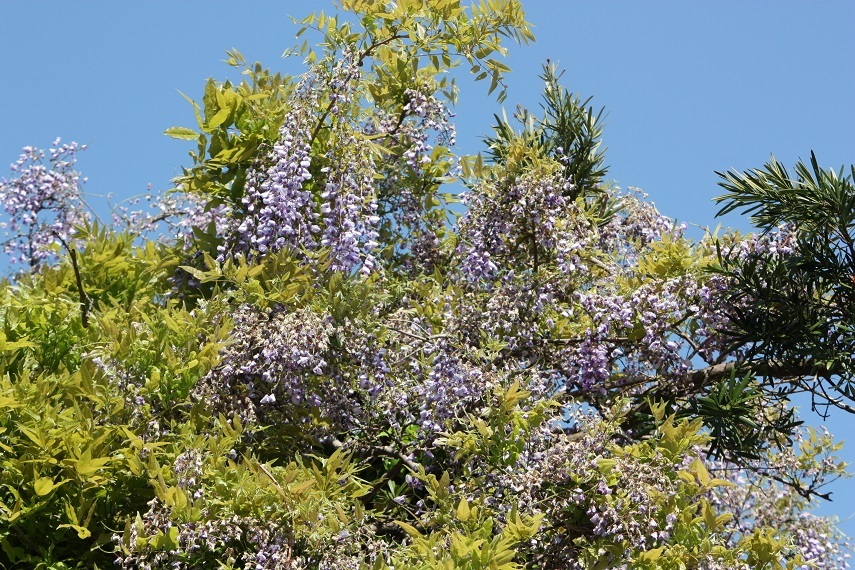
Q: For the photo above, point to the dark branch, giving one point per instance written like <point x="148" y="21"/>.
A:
<point x="84" y="298"/>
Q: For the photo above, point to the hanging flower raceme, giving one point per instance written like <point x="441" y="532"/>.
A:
<point x="416" y="137"/>
<point x="44" y="202"/>
<point x="432" y="115"/>
<point x="301" y="198"/>
<point x="513" y="223"/>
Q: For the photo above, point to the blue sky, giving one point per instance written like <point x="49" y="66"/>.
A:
<point x="689" y="88"/>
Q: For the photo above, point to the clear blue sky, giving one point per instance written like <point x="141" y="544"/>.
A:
<point x="689" y="87"/>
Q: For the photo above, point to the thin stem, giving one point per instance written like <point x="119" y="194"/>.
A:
<point x="359" y="63"/>
<point x="84" y="298"/>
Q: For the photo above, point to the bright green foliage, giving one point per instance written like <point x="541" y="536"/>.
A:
<point x="65" y="459"/>
<point x="71" y="436"/>
<point x="233" y="120"/>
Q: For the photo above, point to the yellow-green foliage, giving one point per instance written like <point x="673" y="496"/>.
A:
<point x="68" y="447"/>
<point x="63" y="466"/>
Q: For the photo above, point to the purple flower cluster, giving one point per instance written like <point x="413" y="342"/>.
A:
<point x="279" y="210"/>
<point x="820" y="542"/>
<point x="294" y="199"/>
<point x="449" y="388"/>
<point x="432" y="115"/>
<point x="625" y="326"/>
<point x="348" y="208"/>
<point x="632" y="335"/>
<point x="632" y="502"/>
<point x="182" y="214"/>
<point x="416" y="136"/>
<point x="276" y="361"/>
<point x="44" y="202"/>
<point x="245" y="540"/>
<point x="516" y="312"/>
<point x="514" y="224"/>
<point x="413" y="379"/>
<point x="637" y="224"/>
<point x="188" y="468"/>
<point x="288" y="365"/>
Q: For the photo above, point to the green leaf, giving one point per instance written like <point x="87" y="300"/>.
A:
<point x="652" y="555"/>
<point x="497" y="65"/>
<point x="181" y="133"/>
<point x="13" y="552"/>
<point x="198" y="274"/>
<point x="409" y="529"/>
<point x="87" y="465"/>
<point x="43" y="486"/>
<point x="219" y="118"/>
<point x="463" y="511"/>
<point x="32" y="435"/>
<point x="709" y="517"/>
<point x="82" y="532"/>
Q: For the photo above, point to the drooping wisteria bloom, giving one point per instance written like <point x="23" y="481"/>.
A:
<point x="514" y="223"/>
<point x="43" y="202"/>
<point x="297" y="199"/>
<point x="418" y="136"/>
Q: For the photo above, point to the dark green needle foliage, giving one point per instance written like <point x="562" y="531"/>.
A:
<point x="569" y="130"/>
<point x="795" y="311"/>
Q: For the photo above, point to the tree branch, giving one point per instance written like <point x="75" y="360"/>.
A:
<point x="84" y="298"/>
<point x="702" y="377"/>
<point x="386" y="450"/>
